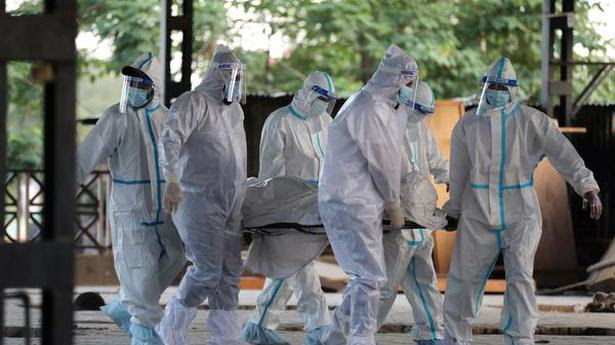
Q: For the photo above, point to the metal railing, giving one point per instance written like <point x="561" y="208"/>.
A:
<point x="23" y="193"/>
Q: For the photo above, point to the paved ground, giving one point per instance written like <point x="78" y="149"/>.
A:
<point x="561" y="322"/>
<point x="296" y="338"/>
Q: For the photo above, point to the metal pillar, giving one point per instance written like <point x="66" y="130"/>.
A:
<point x="47" y="264"/>
<point x="561" y="86"/>
<point x="3" y="141"/>
<point x="176" y="23"/>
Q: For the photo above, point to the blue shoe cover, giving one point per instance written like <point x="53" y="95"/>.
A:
<point x="256" y="334"/>
<point x="144" y="335"/>
<point x="314" y="337"/>
<point x="118" y="314"/>
<point x="429" y="342"/>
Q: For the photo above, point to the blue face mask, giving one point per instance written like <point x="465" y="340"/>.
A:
<point x="405" y="95"/>
<point x="497" y="98"/>
<point x="138" y="98"/>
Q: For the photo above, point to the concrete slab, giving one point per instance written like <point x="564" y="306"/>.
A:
<point x="114" y="337"/>
<point x="565" y="326"/>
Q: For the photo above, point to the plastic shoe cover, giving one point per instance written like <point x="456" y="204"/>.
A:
<point x="144" y="335"/>
<point x="255" y="334"/>
<point x="118" y="314"/>
<point x="314" y="337"/>
<point x="428" y="342"/>
<point x="361" y="341"/>
<point x="223" y="325"/>
<point x="173" y="328"/>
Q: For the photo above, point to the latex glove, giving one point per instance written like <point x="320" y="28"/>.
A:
<point x="451" y="224"/>
<point x="396" y="215"/>
<point x="592" y="200"/>
<point x="172" y="197"/>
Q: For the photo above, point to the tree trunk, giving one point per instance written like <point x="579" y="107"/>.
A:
<point x="367" y="62"/>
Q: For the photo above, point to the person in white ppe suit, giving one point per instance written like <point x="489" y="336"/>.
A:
<point x="360" y="181"/>
<point x="407" y="255"/>
<point x="204" y="149"/>
<point x="495" y="149"/>
<point x="147" y="250"/>
<point x="293" y="144"/>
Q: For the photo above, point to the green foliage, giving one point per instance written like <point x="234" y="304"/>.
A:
<point x="25" y="122"/>
<point x="134" y="28"/>
<point x="453" y="41"/>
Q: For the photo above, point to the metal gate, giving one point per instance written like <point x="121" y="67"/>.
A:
<point x="49" y="39"/>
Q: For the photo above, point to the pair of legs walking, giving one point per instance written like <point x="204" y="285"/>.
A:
<point x="147" y="259"/>
<point x="476" y="251"/>
<point x="213" y="245"/>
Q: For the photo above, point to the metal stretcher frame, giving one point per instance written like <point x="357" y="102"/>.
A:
<point x="280" y="229"/>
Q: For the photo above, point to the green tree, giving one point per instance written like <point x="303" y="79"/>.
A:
<point x="453" y="41"/>
<point x="134" y="27"/>
<point x="24" y="127"/>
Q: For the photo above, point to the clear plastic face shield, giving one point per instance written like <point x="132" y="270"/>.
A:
<point x="494" y="93"/>
<point x="322" y="101"/>
<point x="234" y="75"/>
<point x="410" y="79"/>
<point x="419" y="111"/>
<point x="137" y="92"/>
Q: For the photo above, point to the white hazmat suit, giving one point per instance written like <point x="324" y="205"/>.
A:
<point x="407" y="254"/>
<point x="204" y="148"/>
<point x="493" y="157"/>
<point x="147" y="250"/>
<point x="361" y="177"/>
<point x="293" y="144"/>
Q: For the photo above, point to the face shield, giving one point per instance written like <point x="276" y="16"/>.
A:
<point x="322" y="101"/>
<point x="137" y="89"/>
<point x="234" y="75"/>
<point x="419" y="112"/>
<point x="409" y="78"/>
<point x="494" y="93"/>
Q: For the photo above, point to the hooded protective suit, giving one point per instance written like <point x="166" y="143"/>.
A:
<point x="493" y="157"/>
<point x="407" y="254"/>
<point x="147" y="250"/>
<point x="361" y="177"/>
<point x="204" y="148"/>
<point x="293" y="145"/>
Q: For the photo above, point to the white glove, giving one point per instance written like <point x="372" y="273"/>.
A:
<point x="396" y="215"/>
<point x="172" y="197"/>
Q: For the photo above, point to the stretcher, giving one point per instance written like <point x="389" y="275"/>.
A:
<point x="283" y="230"/>
<point x="280" y="229"/>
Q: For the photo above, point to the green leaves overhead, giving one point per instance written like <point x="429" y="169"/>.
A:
<point x="453" y="41"/>
<point x="134" y="27"/>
